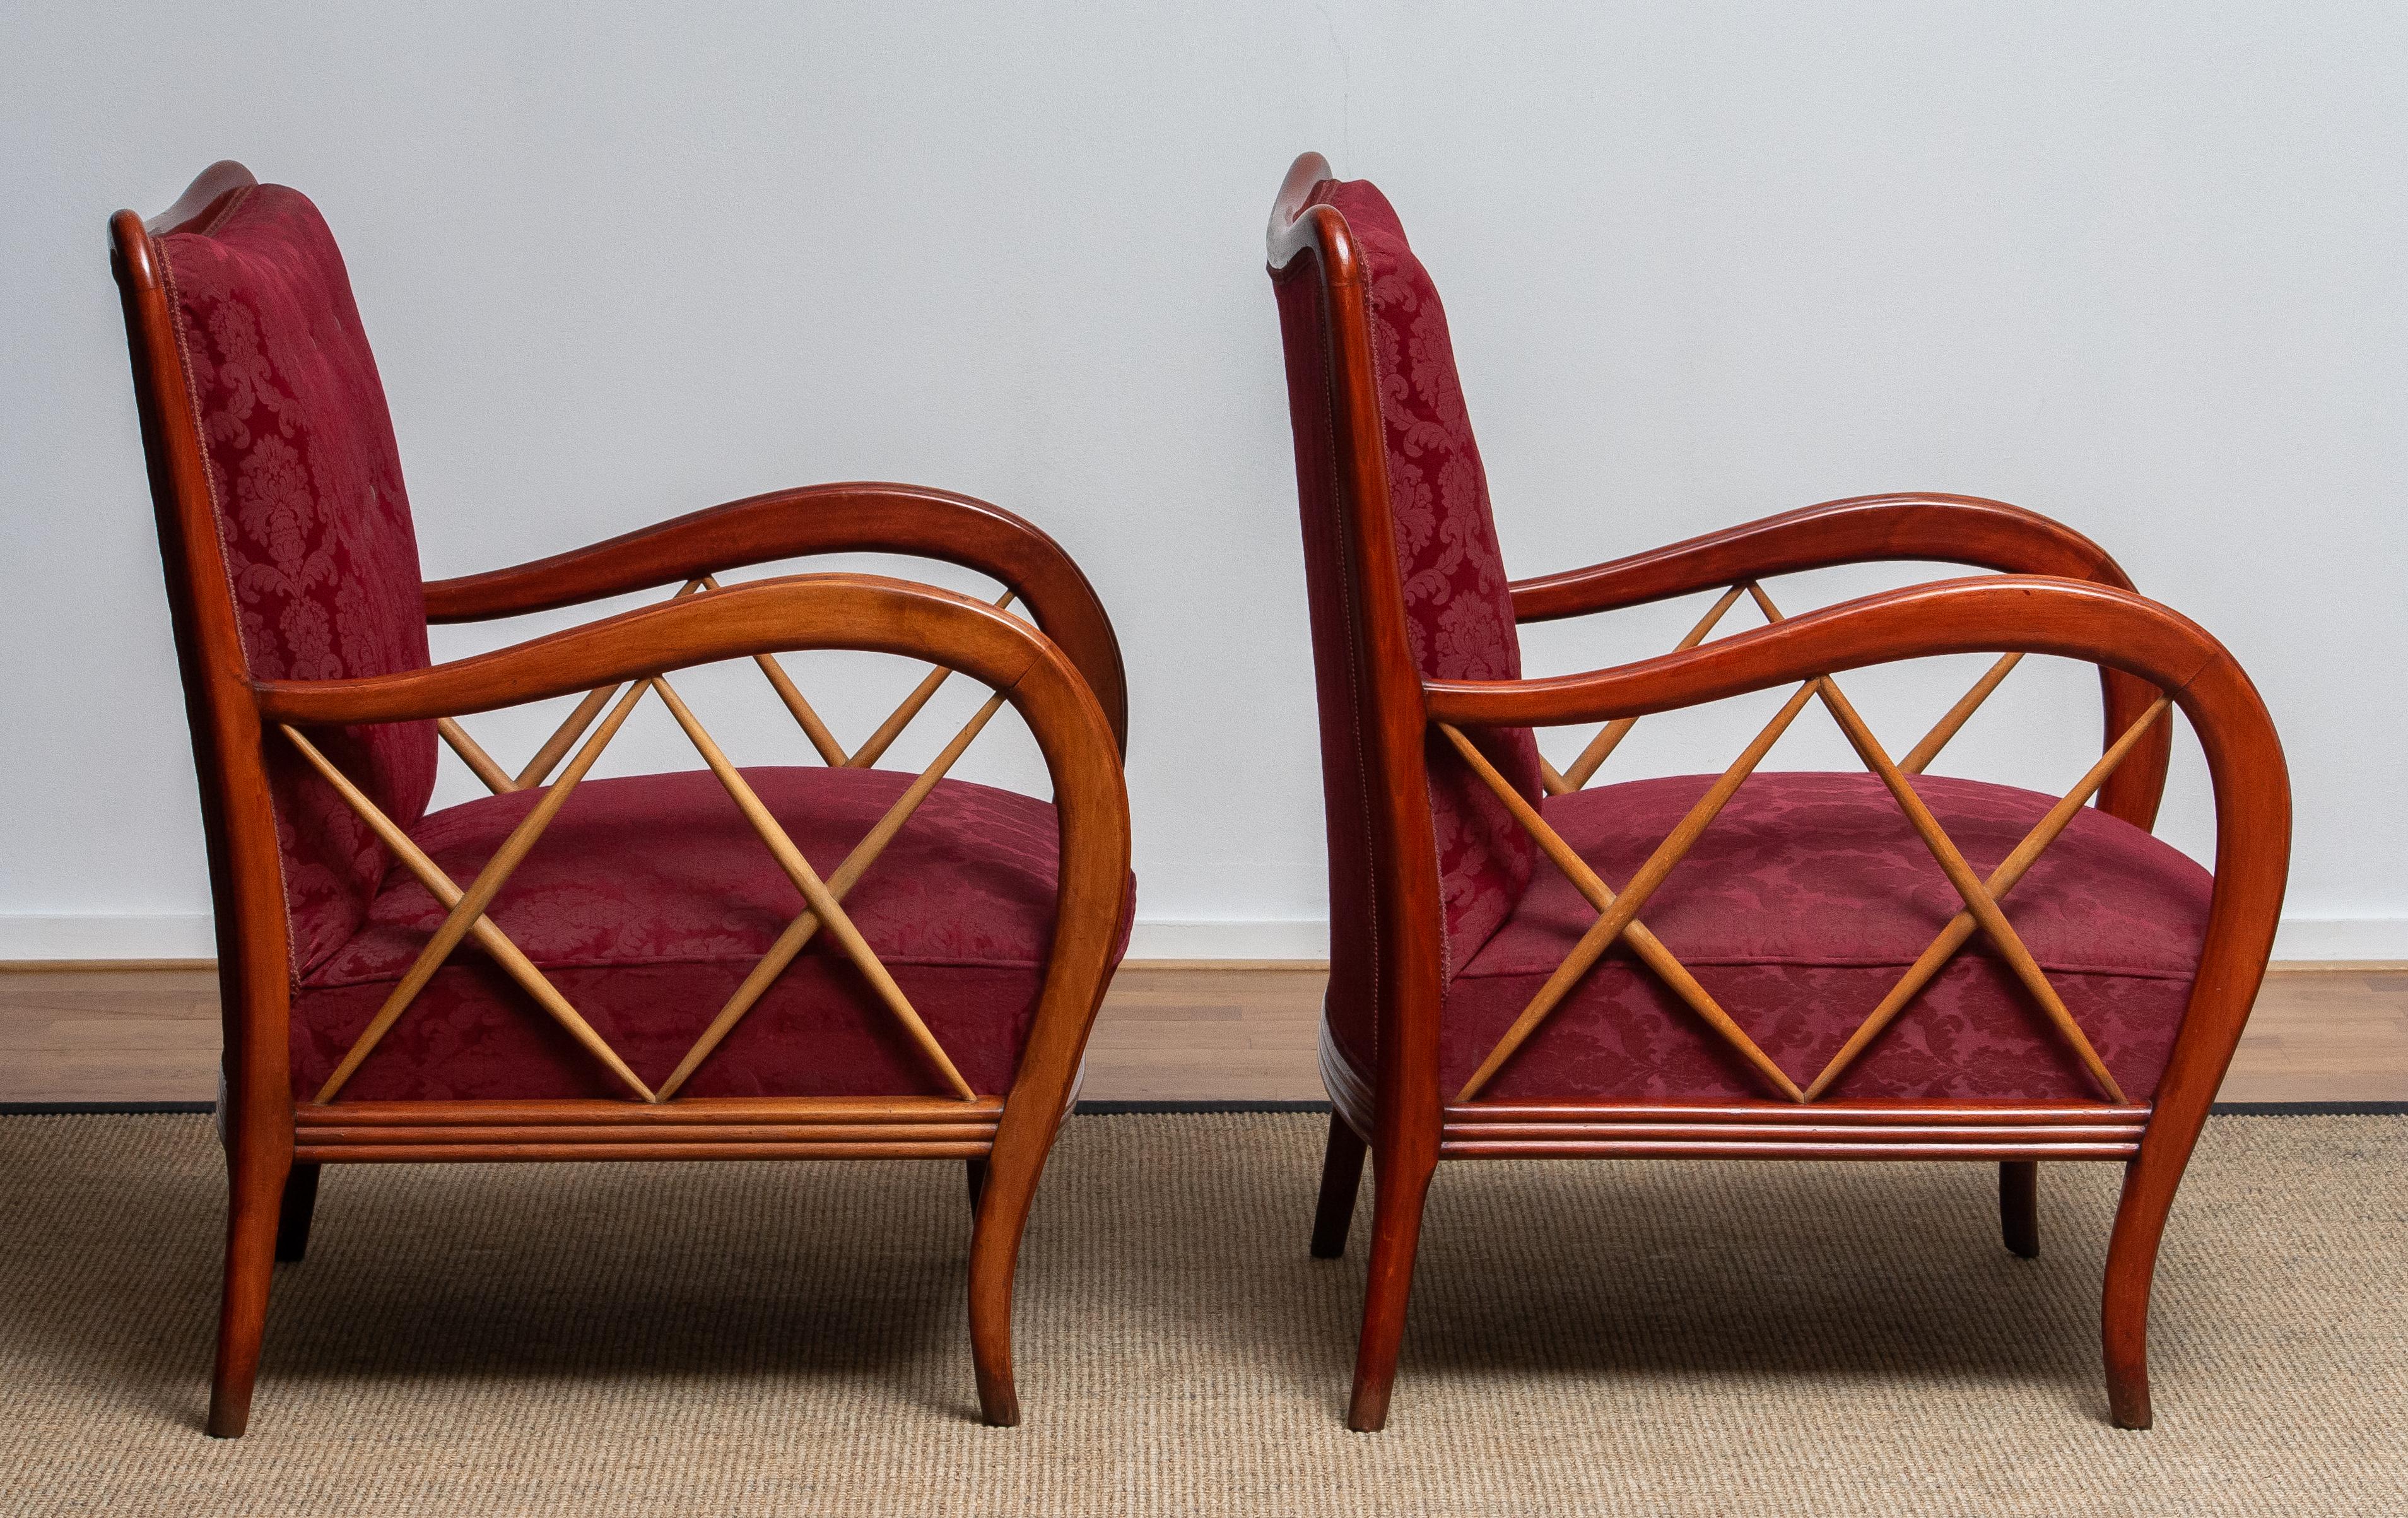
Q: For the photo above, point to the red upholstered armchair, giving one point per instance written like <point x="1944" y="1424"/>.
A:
<point x="1884" y="965"/>
<point x="830" y="961"/>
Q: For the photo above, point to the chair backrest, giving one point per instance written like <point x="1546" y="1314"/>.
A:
<point x="1406" y="583"/>
<point x="289" y="521"/>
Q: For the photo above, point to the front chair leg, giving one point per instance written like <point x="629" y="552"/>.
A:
<point x="2019" y="1207"/>
<point x="2132" y="1266"/>
<point x="1341" y="1176"/>
<point x="256" y="1174"/>
<point x="1007" y="1185"/>
<point x="293" y="1216"/>
<point x="1400" y="1185"/>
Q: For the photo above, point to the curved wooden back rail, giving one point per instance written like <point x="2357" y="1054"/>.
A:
<point x="1063" y="676"/>
<point x="2056" y="593"/>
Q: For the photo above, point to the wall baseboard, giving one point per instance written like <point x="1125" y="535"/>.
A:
<point x="186" y="936"/>
<point x="53" y="936"/>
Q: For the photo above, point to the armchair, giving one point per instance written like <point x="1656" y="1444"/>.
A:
<point x="1751" y="964"/>
<point x="826" y="961"/>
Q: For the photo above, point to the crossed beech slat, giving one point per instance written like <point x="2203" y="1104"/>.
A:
<point x="1919" y="758"/>
<point x="1643" y="942"/>
<point x="467" y="915"/>
<point x="471" y="908"/>
<point x="473" y="755"/>
<point x="445" y="890"/>
<point x="1609" y="738"/>
<point x="2002" y="880"/>
<point x="1617" y="918"/>
<point x="1984" y="908"/>
<point x="798" y="869"/>
<point x="1618" y="915"/>
<point x="798" y="931"/>
<point x="582" y="717"/>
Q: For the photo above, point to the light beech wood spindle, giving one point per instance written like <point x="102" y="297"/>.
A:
<point x="1985" y="911"/>
<point x="807" y="882"/>
<point x="1643" y="942"/>
<point x="1609" y="924"/>
<point x="1609" y="738"/>
<point x="2002" y="880"/>
<point x="473" y="755"/>
<point x="489" y="937"/>
<point x="875" y="747"/>
<point x="798" y="931"/>
<point x="1919" y="758"/>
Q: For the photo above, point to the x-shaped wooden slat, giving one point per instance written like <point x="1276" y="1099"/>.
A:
<point x="1618" y="915"/>
<point x="1649" y="948"/>
<point x="467" y="910"/>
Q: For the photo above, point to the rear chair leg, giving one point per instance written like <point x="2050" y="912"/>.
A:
<point x="2019" y="1205"/>
<point x="293" y="1217"/>
<point x="1341" y="1176"/>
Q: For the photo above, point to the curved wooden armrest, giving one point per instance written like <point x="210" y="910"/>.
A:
<point x="870" y="612"/>
<point x="1993" y="614"/>
<point x="1870" y="529"/>
<point x="860" y="517"/>
<point x="1865" y="529"/>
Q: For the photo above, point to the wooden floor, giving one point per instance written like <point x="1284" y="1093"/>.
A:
<point x="1168" y="1033"/>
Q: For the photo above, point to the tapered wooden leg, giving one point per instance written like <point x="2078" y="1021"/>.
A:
<point x="975" y="1172"/>
<point x="2131" y="1267"/>
<point x="2019" y="1207"/>
<point x="293" y="1217"/>
<point x="1398" y="1187"/>
<point x="254" y="1207"/>
<point x="1341" y="1176"/>
<point x="1004" y="1195"/>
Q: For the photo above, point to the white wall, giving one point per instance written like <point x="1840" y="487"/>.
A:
<point x="2140" y="267"/>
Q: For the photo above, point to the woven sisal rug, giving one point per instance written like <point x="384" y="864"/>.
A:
<point x="1660" y="1339"/>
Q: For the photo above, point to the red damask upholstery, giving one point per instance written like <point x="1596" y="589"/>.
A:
<point x="1458" y="608"/>
<point x="314" y="523"/>
<point x="649" y="899"/>
<point x="1798" y="908"/>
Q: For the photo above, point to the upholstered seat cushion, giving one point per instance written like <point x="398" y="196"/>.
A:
<point x="647" y="902"/>
<point x="1798" y="909"/>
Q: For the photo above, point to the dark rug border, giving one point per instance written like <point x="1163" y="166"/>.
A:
<point x="1157" y="1109"/>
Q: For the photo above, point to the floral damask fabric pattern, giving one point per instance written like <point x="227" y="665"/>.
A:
<point x="1460" y="611"/>
<point x="313" y="522"/>
<point x="1799" y="908"/>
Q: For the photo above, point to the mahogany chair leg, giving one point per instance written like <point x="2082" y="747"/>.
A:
<point x="300" y="1204"/>
<point x="255" y="1206"/>
<point x="2019" y="1207"/>
<point x="1400" y="1185"/>
<point x="1341" y="1176"/>
<point x="975" y="1172"/>
<point x="1005" y="1193"/>
<point x="2131" y="1267"/>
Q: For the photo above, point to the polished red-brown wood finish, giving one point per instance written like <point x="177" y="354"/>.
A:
<point x="1062" y="675"/>
<point x="2056" y="593"/>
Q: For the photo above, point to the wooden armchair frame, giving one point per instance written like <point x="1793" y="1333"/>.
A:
<point x="2057" y="593"/>
<point x="1062" y="675"/>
